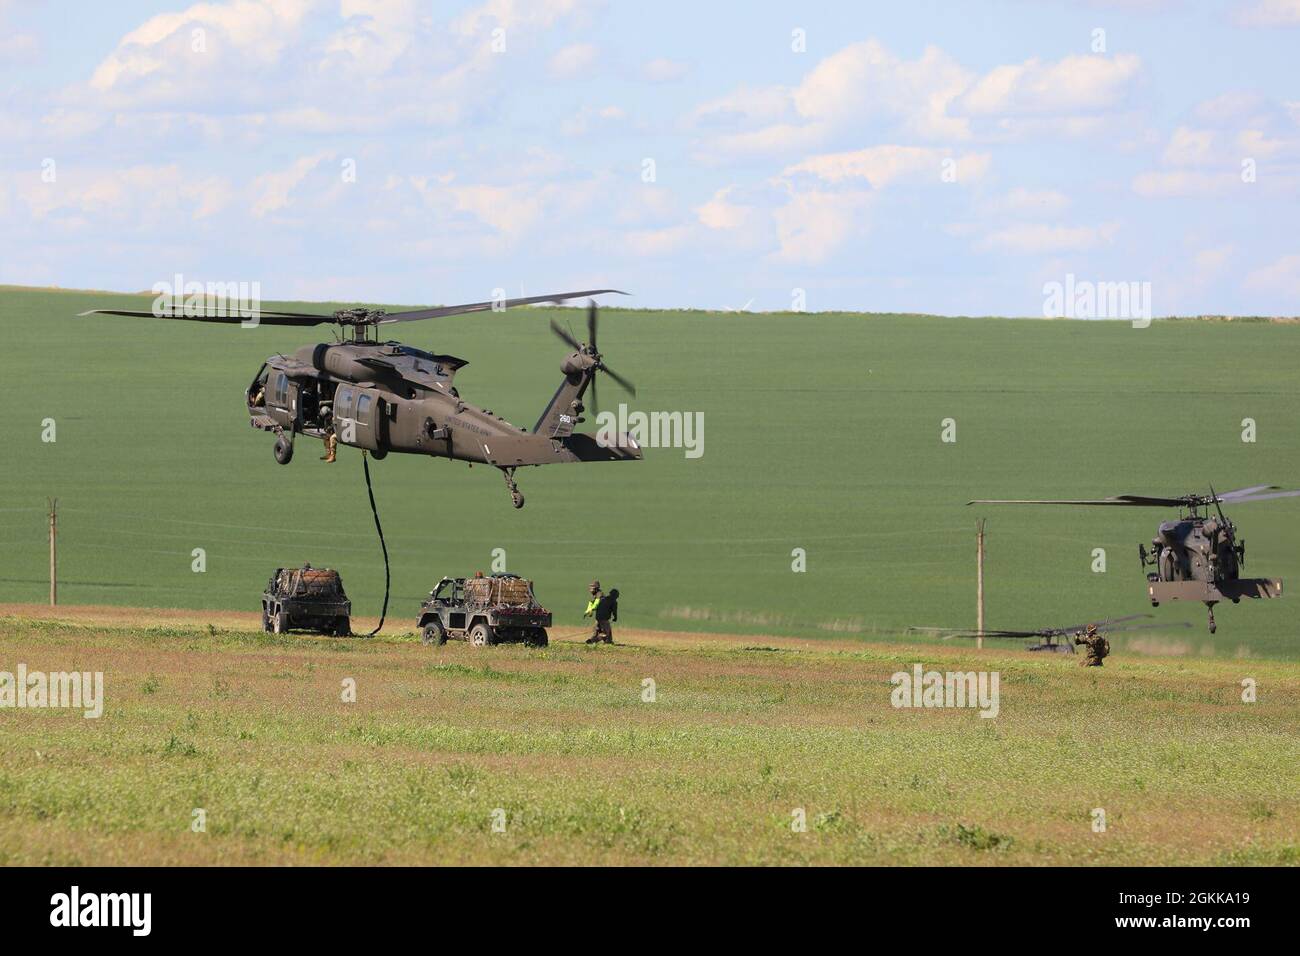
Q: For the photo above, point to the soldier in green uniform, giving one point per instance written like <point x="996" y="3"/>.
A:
<point x="594" y="590"/>
<point x="1097" y="646"/>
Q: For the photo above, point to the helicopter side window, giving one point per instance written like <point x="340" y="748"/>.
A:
<point x="343" y="403"/>
<point x="363" y="407"/>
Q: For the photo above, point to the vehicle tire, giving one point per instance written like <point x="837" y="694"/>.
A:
<point x="342" y="627"/>
<point x="279" y="622"/>
<point x="434" y="633"/>
<point x="480" y="635"/>
<point x="283" y="450"/>
<point x="266" y="621"/>
<point x="537" y="638"/>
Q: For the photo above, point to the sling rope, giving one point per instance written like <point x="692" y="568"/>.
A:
<point x="365" y="463"/>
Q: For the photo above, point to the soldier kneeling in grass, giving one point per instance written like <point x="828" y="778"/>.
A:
<point x="1098" y="647"/>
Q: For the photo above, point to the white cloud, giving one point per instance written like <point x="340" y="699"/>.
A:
<point x="590" y="116"/>
<point x="932" y="97"/>
<point x="1164" y="184"/>
<point x="663" y="70"/>
<point x="658" y="242"/>
<point x="882" y="165"/>
<point x="1190" y="147"/>
<point x="159" y="61"/>
<point x="1040" y="238"/>
<point x="1027" y="202"/>
<point x="18" y="47"/>
<point x="573" y="60"/>
<point x="272" y="190"/>
<point x="1083" y="83"/>
<point x="1270" y="13"/>
<point x="720" y="212"/>
<point x="139" y="198"/>
<point x="815" y="224"/>
<point x="1281" y="276"/>
<point x="1211" y="261"/>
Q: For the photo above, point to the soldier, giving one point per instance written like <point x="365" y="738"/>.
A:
<point x="331" y="439"/>
<point x="1097" y="647"/>
<point x="594" y="590"/>
<point x="606" y="610"/>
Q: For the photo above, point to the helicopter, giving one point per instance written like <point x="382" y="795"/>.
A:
<point x="388" y="397"/>
<point x="1198" y="557"/>
<point x="1047" y="636"/>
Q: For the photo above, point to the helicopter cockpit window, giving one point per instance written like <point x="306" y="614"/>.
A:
<point x="281" y="393"/>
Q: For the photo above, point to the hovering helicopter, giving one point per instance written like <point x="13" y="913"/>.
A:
<point x="1047" y="636"/>
<point x="1198" y="557"/>
<point x="386" y="396"/>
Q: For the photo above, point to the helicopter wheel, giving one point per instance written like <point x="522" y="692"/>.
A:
<point x="517" y="499"/>
<point x="283" y="450"/>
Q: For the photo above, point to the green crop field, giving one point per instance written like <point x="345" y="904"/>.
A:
<point x="564" y="753"/>
<point x="822" y="432"/>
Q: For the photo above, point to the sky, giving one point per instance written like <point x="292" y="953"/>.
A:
<point x="955" y="158"/>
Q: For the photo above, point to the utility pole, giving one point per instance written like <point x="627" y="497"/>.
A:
<point x="979" y="583"/>
<point x="54" y="553"/>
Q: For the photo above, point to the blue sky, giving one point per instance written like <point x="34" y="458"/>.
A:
<point x="937" y="157"/>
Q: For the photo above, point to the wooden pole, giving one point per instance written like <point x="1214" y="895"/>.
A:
<point x="54" y="553"/>
<point x="979" y="584"/>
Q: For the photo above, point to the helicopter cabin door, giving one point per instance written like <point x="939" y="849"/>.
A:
<point x="359" y="417"/>
<point x="282" y="399"/>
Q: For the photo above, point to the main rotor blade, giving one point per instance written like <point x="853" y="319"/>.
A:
<point x="241" y="315"/>
<point x="498" y="304"/>
<point x="627" y="386"/>
<point x="1276" y="494"/>
<point x="591" y="326"/>
<point x="1243" y="492"/>
<point x="1132" y="501"/>
<point x="564" y="334"/>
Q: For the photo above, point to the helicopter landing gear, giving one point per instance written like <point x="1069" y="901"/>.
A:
<point x="283" y="450"/>
<point x="1210" y="608"/>
<point x="516" y="498"/>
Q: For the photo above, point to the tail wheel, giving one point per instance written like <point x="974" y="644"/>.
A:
<point x="480" y="635"/>
<point x="434" y="633"/>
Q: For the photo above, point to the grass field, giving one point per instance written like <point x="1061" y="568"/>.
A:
<point x="822" y="433"/>
<point x="204" y="711"/>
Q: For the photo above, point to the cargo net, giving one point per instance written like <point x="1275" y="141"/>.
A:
<point x="311" y="582"/>
<point x="489" y="592"/>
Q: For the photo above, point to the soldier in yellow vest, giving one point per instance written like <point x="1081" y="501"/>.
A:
<point x="594" y="591"/>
